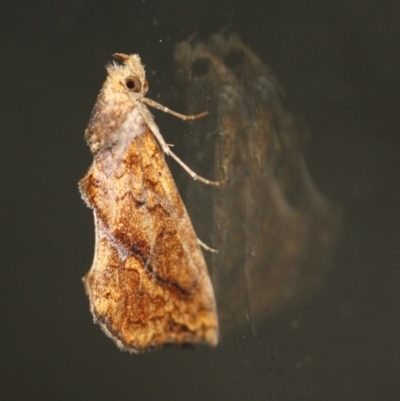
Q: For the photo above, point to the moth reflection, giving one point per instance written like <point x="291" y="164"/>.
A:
<point x="274" y="230"/>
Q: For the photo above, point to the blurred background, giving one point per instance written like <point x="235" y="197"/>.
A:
<point x="339" y="63"/>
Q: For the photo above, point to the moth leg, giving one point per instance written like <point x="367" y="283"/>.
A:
<point x="183" y="117"/>
<point x="206" y="247"/>
<point x="192" y="173"/>
<point x="166" y="148"/>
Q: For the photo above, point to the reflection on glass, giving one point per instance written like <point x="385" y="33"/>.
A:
<point x="274" y="231"/>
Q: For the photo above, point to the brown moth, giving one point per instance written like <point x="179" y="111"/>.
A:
<point x="148" y="285"/>
<point x="274" y="230"/>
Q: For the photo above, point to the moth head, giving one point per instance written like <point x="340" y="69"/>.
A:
<point x="131" y="76"/>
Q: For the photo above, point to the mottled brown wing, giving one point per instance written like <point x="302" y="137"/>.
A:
<point x="148" y="285"/>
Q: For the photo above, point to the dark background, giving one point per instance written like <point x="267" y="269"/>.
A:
<point x="338" y="60"/>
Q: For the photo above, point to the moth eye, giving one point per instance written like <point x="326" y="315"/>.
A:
<point x="133" y="83"/>
<point x="234" y="58"/>
<point x="200" y="67"/>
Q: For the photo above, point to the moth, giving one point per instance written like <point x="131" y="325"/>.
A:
<point x="274" y="230"/>
<point x="148" y="285"/>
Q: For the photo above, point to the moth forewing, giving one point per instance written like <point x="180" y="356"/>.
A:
<point x="148" y="285"/>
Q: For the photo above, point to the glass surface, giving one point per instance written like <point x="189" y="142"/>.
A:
<point x="338" y="63"/>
